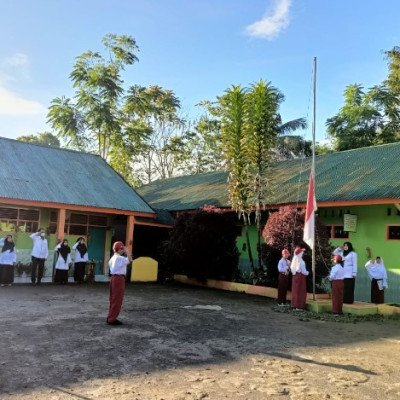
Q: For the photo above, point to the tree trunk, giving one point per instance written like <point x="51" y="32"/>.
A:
<point x="246" y="230"/>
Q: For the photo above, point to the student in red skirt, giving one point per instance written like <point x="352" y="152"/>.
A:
<point x="377" y="273"/>
<point x="117" y="264"/>
<point x="337" y="278"/>
<point x="283" y="277"/>
<point x="299" y="285"/>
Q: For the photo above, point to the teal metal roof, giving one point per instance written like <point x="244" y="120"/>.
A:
<point x="360" y="174"/>
<point x="48" y="174"/>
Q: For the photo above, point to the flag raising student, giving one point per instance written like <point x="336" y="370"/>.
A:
<point x="336" y="276"/>
<point x="299" y="285"/>
<point x="283" y="278"/>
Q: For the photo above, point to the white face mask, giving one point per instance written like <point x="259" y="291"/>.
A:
<point x="42" y="234"/>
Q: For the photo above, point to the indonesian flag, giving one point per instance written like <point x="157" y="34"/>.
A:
<point x="309" y="223"/>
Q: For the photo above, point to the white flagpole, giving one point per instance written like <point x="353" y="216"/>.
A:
<point x="313" y="166"/>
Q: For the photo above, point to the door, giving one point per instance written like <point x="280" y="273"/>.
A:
<point x="96" y="246"/>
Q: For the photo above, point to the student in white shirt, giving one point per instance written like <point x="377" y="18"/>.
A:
<point x="336" y="276"/>
<point x="63" y="262"/>
<point x="283" y="277"/>
<point x="81" y="258"/>
<point x="117" y="264"/>
<point x="377" y="273"/>
<point x="299" y="283"/>
<point x="40" y="252"/>
<point x="8" y="257"/>
<point x="349" y="257"/>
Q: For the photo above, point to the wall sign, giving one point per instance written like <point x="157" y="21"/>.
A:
<point x="350" y="222"/>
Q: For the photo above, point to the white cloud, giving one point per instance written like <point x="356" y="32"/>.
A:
<point x="14" y="68"/>
<point x="272" y="23"/>
<point x="13" y="105"/>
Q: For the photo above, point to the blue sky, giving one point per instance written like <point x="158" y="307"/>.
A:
<point x="196" y="48"/>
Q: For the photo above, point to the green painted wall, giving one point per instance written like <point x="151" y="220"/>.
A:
<point x="244" y="263"/>
<point x="372" y="222"/>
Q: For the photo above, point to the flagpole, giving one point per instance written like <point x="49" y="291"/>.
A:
<point x="313" y="163"/>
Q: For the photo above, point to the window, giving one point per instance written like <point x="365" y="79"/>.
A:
<point x="77" y="224"/>
<point x="393" y="232"/>
<point x="19" y="220"/>
<point x="337" y="232"/>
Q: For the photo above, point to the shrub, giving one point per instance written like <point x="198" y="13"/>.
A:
<point x="284" y="229"/>
<point x="202" y="245"/>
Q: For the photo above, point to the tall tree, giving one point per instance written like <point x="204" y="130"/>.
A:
<point x="43" y="138"/>
<point x="233" y="119"/>
<point x="261" y="130"/>
<point x="94" y="120"/>
<point x="162" y="147"/>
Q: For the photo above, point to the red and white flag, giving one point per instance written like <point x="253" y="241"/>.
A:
<point x="309" y="222"/>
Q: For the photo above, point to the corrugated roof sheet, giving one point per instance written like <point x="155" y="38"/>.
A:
<point x="359" y="174"/>
<point x="48" y="174"/>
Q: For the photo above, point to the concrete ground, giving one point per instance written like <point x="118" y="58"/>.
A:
<point x="180" y="342"/>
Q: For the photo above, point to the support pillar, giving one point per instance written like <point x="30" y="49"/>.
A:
<point x="61" y="224"/>
<point x="130" y="226"/>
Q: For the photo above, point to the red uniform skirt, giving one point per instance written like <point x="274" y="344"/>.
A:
<point x="337" y="296"/>
<point x="299" y="291"/>
<point x="377" y="296"/>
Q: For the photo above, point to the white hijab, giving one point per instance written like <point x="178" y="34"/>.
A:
<point x="295" y="266"/>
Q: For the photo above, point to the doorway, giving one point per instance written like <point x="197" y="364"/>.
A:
<point x="96" y="246"/>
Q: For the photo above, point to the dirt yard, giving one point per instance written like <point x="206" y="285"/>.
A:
<point x="55" y="344"/>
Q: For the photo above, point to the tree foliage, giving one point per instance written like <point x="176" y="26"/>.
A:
<point x="94" y="120"/>
<point x="43" y="138"/>
<point x="284" y="229"/>
<point x="203" y="245"/>
<point x="367" y="118"/>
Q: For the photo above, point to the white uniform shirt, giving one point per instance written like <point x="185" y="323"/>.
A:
<point x="298" y="266"/>
<point x="337" y="273"/>
<point x="377" y="271"/>
<point x="349" y="263"/>
<point x="78" y="257"/>
<point x="283" y="265"/>
<point x="61" y="263"/>
<point x="7" y="257"/>
<point x="118" y="264"/>
<point x="40" y="247"/>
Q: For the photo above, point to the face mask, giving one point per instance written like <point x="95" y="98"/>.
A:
<point x="42" y="235"/>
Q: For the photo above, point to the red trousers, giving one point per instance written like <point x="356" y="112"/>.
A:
<point x="117" y="290"/>
<point x="337" y="296"/>
<point x="283" y="282"/>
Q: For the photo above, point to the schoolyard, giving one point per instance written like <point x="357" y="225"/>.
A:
<point x="181" y="342"/>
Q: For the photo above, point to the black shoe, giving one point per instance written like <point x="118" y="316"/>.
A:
<point x="116" y="322"/>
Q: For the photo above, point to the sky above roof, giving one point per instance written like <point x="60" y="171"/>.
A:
<point x="197" y="49"/>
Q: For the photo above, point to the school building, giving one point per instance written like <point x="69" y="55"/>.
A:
<point x="358" y="198"/>
<point x="69" y="194"/>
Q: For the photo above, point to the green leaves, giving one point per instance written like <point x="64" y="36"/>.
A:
<point x="366" y="119"/>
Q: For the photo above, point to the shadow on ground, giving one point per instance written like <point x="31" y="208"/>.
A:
<point x="54" y="336"/>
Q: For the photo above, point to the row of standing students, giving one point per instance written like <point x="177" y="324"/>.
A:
<point x="64" y="261"/>
<point x="342" y="275"/>
<point x="299" y="272"/>
<point x="8" y="257"/>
